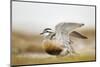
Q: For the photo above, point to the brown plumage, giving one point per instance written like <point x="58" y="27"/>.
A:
<point x="51" y="47"/>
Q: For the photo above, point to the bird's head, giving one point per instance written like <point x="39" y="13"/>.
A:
<point x="46" y="31"/>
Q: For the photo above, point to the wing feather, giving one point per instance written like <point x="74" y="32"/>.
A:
<point x="78" y="35"/>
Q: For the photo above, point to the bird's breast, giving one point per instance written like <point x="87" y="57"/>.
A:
<point x="52" y="47"/>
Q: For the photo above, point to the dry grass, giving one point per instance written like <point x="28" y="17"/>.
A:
<point x="27" y="60"/>
<point x="24" y="44"/>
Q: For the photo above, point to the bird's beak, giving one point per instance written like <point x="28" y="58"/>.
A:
<point x="41" y="33"/>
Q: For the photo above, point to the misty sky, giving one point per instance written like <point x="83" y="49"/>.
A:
<point x="34" y="17"/>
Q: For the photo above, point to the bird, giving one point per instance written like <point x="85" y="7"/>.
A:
<point x="58" y="42"/>
<point x="50" y="34"/>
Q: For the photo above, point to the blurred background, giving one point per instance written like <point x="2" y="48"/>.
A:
<point x="29" y="20"/>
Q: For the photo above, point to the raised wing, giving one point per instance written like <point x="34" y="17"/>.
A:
<point x="63" y="31"/>
<point x="78" y="35"/>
